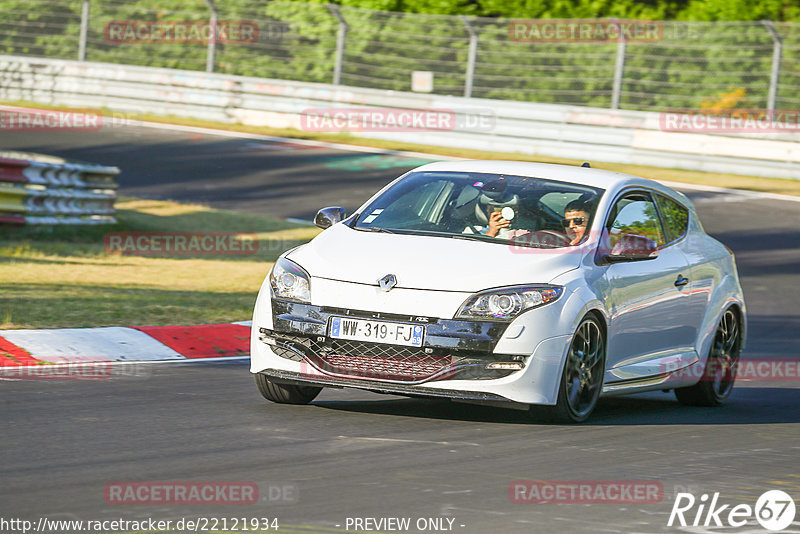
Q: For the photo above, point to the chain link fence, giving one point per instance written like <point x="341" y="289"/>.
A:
<point x="683" y="65"/>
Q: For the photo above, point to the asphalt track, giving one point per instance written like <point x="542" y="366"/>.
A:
<point x="356" y="454"/>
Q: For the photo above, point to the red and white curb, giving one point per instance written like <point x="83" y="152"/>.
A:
<point x="124" y="344"/>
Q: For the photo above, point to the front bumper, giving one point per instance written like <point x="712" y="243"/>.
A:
<point x="288" y="377"/>
<point x="452" y="363"/>
<point x="452" y="349"/>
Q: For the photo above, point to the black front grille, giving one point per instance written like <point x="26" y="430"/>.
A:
<point x="380" y="361"/>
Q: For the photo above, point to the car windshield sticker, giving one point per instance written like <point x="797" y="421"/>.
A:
<point x="373" y="216"/>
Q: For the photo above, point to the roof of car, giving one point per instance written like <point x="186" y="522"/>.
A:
<point x="608" y="180"/>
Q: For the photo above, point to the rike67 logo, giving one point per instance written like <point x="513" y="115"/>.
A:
<point x="774" y="510"/>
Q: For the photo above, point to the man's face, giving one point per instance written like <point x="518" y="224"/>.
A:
<point x="575" y="225"/>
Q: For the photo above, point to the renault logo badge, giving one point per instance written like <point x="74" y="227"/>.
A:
<point x="388" y="282"/>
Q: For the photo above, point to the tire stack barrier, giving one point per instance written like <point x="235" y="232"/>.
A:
<point x="45" y="190"/>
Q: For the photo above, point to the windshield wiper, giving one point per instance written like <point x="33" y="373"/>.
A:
<point x="490" y="239"/>
<point x="375" y="229"/>
<point x="476" y="237"/>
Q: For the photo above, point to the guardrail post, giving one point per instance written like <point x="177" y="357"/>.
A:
<point x="212" y="36"/>
<point x="341" y="38"/>
<point x="619" y="70"/>
<point x="84" y="31"/>
<point x="775" y="72"/>
<point x="471" y="56"/>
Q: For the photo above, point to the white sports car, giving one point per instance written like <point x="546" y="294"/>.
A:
<point x="507" y="283"/>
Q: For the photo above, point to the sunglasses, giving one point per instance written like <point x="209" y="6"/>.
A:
<point x="579" y="221"/>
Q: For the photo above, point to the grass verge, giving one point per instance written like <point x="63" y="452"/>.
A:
<point x="67" y="277"/>
<point x="751" y="183"/>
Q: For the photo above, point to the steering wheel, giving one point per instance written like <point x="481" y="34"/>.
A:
<point x="547" y="239"/>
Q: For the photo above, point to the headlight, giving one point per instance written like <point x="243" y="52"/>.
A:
<point x="506" y="303"/>
<point x="290" y="281"/>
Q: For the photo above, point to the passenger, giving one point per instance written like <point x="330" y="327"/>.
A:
<point x="576" y="218"/>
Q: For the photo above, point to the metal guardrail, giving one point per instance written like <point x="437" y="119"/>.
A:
<point x="44" y="190"/>
<point x="574" y="132"/>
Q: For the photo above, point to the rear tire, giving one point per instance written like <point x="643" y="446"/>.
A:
<point x="582" y="377"/>
<point x="285" y="393"/>
<point x="719" y="375"/>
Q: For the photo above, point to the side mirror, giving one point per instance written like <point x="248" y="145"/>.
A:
<point x="632" y="247"/>
<point x="327" y="217"/>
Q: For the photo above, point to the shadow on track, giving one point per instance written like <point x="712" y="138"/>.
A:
<point x="747" y="406"/>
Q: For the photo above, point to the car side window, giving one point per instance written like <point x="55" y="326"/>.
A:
<point x="675" y="216"/>
<point x="635" y="214"/>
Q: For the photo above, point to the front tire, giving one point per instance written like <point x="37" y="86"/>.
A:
<point x="582" y="378"/>
<point x="285" y="393"/>
<point x="719" y="375"/>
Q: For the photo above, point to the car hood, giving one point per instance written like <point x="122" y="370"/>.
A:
<point x="423" y="262"/>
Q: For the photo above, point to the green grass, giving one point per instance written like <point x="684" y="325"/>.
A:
<point x="65" y="277"/>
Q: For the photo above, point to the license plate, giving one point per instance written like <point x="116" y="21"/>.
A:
<point x="377" y="331"/>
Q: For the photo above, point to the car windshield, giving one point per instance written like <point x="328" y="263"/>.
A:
<point x="497" y="208"/>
